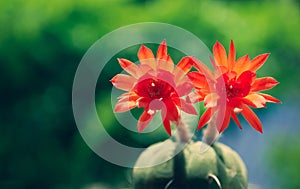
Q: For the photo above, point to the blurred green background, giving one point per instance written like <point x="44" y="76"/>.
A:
<point x="42" y="43"/>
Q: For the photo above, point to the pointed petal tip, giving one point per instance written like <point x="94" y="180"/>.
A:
<point x="124" y="105"/>
<point x="183" y="67"/>
<point x="113" y="80"/>
<point x="169" y="133"/>
<point x="200" y="126"/>
<point x="117" y="110"/>
<point x="143" y="46"/>
<point x="143" y="50"/>
<point x="123" y="82"/>
<point x="167" y="126"/>
<point x="236" y="120"/>
<point x="270" y="98"/>
<point x="231" y="56"/>
<point x="162" y="50"/>
<point x="144" y="121"/>
<point x="260" y="130"/>
<point x="252" y="118"/>
<point x="221" y="130"/>
<point x="258" y="61"/>
<point x="266" y="55"/>
<point x="232" y="44"/>
<point x="220" y="55"/>
<point x="140" y="129"/>
<point x="217" y="44"/>
<point x="205" y="118"/>
<point x="121" y="61"/>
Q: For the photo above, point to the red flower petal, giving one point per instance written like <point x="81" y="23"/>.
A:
<point x="169" y="113"/>
<point x="169" y="59"/>
<point x="146" y="56"/>
<point x="144" y="120"/>
<point x="143" y="102"/>
<point x="205" y="118"/>
<point x="130" y="96"/>
<point x="198" y="79"/>
<point x="195" y="97"/>
<point x="270" y="98"/>
<point x="164" y="61"/>
<point x="162" y="50"/>
<point x="203" y="69"/>
<point x="166" y="64"/>
<point x="222" y="124"/>
<point x="184" y="89"/>
<point x="220" y="55"/>
<point x="171" y="110"/>
<point x="123" y="106"/>
<point x="241" y="65"/>
<point x="264" y="83"/>
<point x="252" y="119"/>
<point x="246" y="77"/>
<point x="127" y="102"/>
<point x="123" y="82"/>
<point x="143" y="69"/>
<point x="219" y="70"/>
<point x="210" y="100"/>
<point x="167" y="77"/>
<point x="166" y="124"/>
<point x="231" y="56"/>
<point x="258" y="61"/>
<point x="183" y="67"/>
<point x="236" y="120"/>
<point x="255" y="100"/>
<point x="188" y="107"/>
<point x="128" y="66"/>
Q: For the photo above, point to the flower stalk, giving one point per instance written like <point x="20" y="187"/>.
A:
<point x="183" y="132"/>
<point x="210" y="133"/>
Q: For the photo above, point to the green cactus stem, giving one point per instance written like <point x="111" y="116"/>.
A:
<point x="198" y="165"/>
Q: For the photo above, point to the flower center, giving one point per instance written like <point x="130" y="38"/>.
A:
<point x="153" y="88"/>
<point x="235" y="87"/>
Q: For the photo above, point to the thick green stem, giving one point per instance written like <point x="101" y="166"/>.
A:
<point x="179" y="170"/>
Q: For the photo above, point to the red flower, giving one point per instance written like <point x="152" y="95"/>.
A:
<point x="232" y="88"/>
<point x="155" y="85"/>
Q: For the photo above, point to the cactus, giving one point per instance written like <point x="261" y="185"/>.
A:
<point x="198" y="165"/>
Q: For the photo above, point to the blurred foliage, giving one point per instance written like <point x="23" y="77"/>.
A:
<point x="285" y="162"/>
<point x="42" y="43"/>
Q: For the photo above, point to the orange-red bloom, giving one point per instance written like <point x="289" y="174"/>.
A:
<point x="155" y="84"/>
<point x="232" y="88"/>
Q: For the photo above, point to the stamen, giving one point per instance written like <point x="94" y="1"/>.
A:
<point x="151" y="112"/>
<point x="237" y="110"/>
